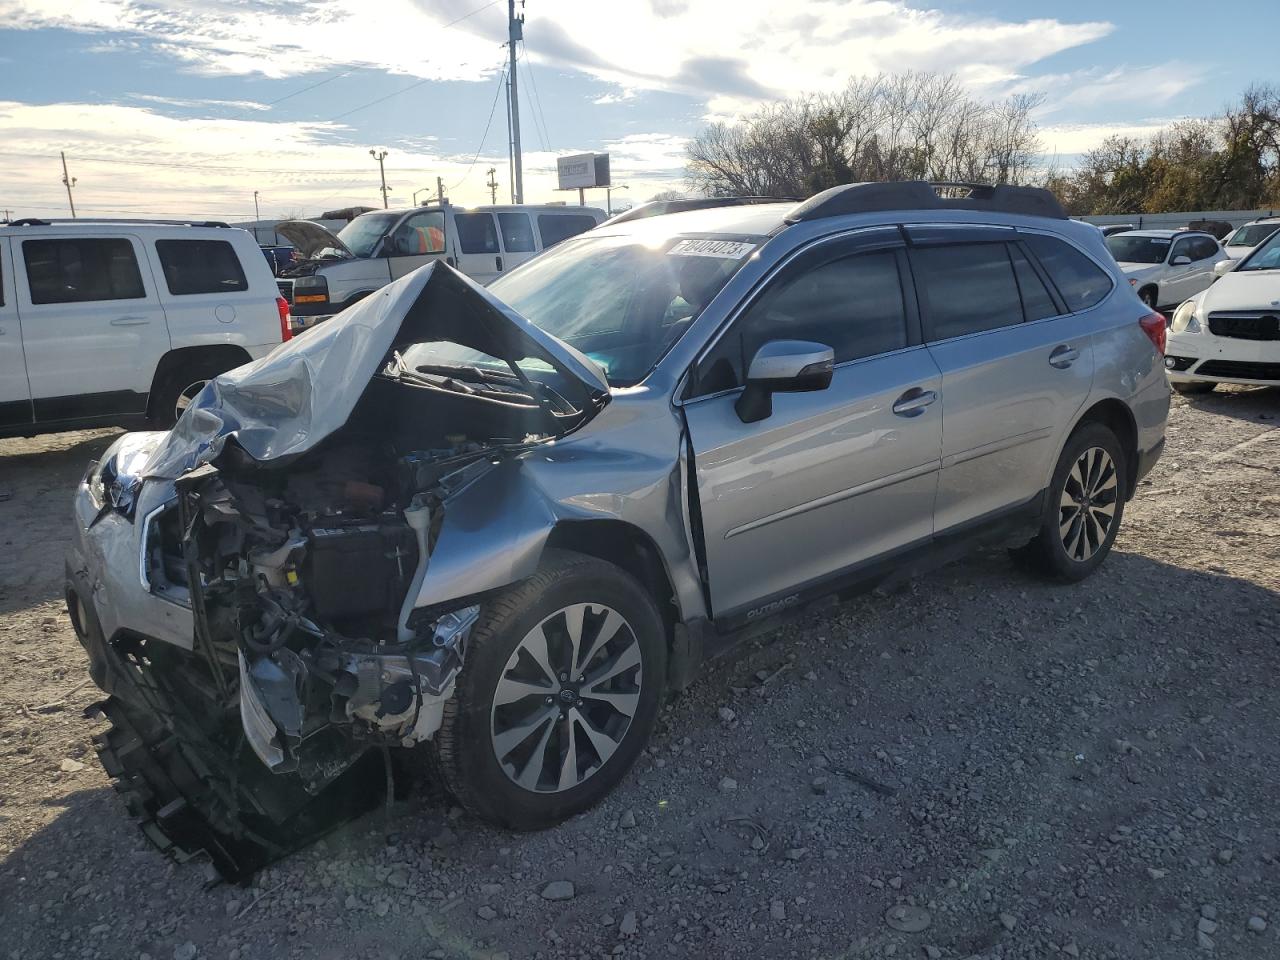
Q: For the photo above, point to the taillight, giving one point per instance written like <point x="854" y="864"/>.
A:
<point x="286" y="332"/>
<point x="1153" y="325"/>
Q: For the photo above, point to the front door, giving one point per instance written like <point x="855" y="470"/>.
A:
<point x="476" y="249"/>
<point x="832" y="479"/>
<point x="15" y="395"/>
<point x="1015" y="367"/>
<point x="417" y="240"/>
<point x="92" y="326"/>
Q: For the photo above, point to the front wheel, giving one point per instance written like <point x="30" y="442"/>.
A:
<point x="1084" y="507"/>
<point x="558" y="695"/>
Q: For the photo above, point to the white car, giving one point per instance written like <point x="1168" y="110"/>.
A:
<point x="121" y="323"/>
<point x="336" y="270"/>
<point x="1241" y="241"/>
<point x="1230" y="333"/>
<point x="1166" y="267"/>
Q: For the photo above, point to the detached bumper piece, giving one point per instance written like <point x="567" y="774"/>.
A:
<point x="191" y="799"/>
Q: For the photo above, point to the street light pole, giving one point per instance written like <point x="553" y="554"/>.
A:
<point x="257" y="217"/>
<point x="380" y="156"/>
<point x="608" y="195"/>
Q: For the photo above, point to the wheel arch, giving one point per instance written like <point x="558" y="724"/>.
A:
<point x="1155" y="292"/>
<point x="1115" y="415"/>
<point x="232" y="354"/>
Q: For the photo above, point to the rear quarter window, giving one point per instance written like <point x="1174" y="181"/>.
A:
<point x="200" y="266"/>
<point x="1081" y="282"/>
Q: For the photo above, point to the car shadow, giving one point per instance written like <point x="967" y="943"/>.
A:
<point x="974" y="642"/>
<point x="1257" y="404"/>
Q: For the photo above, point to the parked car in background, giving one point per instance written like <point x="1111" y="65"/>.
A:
<point x="1230" y="333"/>
<point x="1242" y="240"/>
<point x="1166" y="267"/>
<point x="123" y="322"/>
<point x="334" y="271"/>
<point x="506" y="520"/>
<point x="278" y="257"/>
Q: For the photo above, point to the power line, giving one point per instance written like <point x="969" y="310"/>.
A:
<point x="544" y="135"/>
<point x="484" y="136"/>
<point x="491" y="3"/>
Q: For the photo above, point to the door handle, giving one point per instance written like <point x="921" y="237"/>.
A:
<point x="1063" y="356"/>
<point x="497" y="262"/>
<point x="129" y="321"/>
<point x="913" y="402"/>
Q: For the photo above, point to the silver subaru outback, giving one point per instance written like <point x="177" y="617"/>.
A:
<point x="492" y="526"/>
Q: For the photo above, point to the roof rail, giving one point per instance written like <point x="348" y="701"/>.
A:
<point x="37" y="222"/>
<point x="923" y="195"/>
<point x="657" y="208"/>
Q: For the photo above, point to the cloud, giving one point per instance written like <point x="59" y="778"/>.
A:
<point x="238" y="105"/>
<point x="1087" y="89"/>
<point x="1072" y="139"/>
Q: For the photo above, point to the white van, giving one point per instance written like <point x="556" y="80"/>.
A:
<point x="117" y="322"/>
<point x="335" y="270"/>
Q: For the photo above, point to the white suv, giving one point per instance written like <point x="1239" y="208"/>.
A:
<point x="1166" y="267"/>
<point x="336" y="270"/>
<point x="123" y="322"/>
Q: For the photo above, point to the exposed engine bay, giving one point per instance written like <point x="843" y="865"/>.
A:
<point x="310" y="656"/>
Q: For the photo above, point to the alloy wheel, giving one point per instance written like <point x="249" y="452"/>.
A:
<point x="186" y="396"/>
<point x="1087" y="504"/>
<point x="566" y="698"/>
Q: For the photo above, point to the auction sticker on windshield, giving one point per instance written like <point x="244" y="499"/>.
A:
<point x="723" y="249"/>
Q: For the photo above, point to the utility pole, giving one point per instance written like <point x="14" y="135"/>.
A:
<point x="440" y="190"/>
<point x="493" y="184"/>
<point x="256" y="217"/>
<point x="68" y="182"/>
<point x="380" y="156"/>
<point x="515" y="33"/>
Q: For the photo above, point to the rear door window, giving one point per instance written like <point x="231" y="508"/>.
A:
<point x="555" y="227"/>
<point x="517" y="232"/>
<point x="1037" y="303"/>
<point x="476" y="232"/>
<point x="967" y="288"/>
<point x="200" y="266"/>
<point x="82" y="269"/>
<point x="1081" y="282"/>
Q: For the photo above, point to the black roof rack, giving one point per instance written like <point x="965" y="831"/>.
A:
<point x="656" y="208"/>
<point x="923" y="195"/>
<point x="37" y="222"/>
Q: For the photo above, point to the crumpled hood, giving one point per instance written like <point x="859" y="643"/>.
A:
<point x="291" y="399"/>
<point x="1250" y="290"/>
<point x="311" y="238"/>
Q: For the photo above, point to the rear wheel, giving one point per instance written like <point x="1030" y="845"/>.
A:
<point x="558" y="696"/>
<point x="179" y="387"/>
<point x="1084" y="507"/>
<point x="1194" y="386"/>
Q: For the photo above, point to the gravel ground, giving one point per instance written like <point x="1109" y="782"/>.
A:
<point x="1033" y="771"/>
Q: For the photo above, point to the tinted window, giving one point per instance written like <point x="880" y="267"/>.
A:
<point x="853" y="305"/>
<point x="1081" y="282"/>
<point x="73" y="271"/>
<point x="1036" y="301"/>
<point x="420" y="234"/>
<point x="517" y="232"/>
<point x="1135" y="248"/>
<point x="555" y="227"/>
<point x="1181" y="249"/>
<point x="1202" y="248"/>
<point x="200" y="266"/>
<point x="968" y="288"/>
<point x="476" y="233"/>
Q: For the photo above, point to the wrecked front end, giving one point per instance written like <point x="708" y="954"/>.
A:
<point x="251" y="595"/>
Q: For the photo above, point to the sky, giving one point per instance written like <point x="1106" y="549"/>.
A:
<point x="185" y="108"/>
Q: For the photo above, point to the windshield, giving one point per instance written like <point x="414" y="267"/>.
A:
<point x="1128" y="248"/>
<point x="623" y="301"/>
<point x="362" y="234"/>
<point x="1252" y="234"/>
<point x="1265" y="256"/>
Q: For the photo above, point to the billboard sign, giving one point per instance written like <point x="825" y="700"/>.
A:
<point x="583" y="170"/>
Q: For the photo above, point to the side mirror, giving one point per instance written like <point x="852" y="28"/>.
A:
<point x="783" y="366"/>
<point x="1223" y="267"/>
<point x="1181" y="261"/>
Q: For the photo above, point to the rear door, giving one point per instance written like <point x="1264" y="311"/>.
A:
<point x="1015" y="366"/>
<point x="417" y="240"/>
<point x="93" y="329"/>
<point x="834" y="478"/>
<point x="208" y="296"/>
<point x="15" y="394"/>
<point x="476" y="246"/>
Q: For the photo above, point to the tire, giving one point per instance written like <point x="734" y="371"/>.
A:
<point x="1069" y="552"/>
<point x="487" y="741"/>
<point x="183" y="381"/>
<point x="1148" y="296"/>
<point x="1194" y="386"/>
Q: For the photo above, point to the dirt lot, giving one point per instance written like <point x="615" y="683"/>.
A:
<point x="1091" y="771"/>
